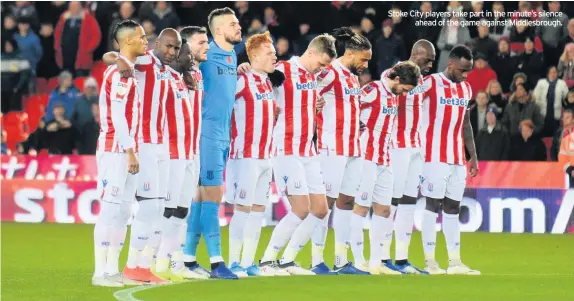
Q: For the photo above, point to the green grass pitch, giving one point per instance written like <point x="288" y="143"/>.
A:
<point x="55" y="262"/>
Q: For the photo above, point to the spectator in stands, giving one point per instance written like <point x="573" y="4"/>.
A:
<point x="4" y="150"/>
<point x="476" y="9"/>
<point x="484" y="43"/>
<point x="414" y="33"/>
<point x="82" y="107"/>
<point x="270" y="20"/>
<point x="150" y="35"/>
<point x="15" y="76"/>
<point x="495" y="97"/>
<point x="519" y="79"/>
<point x="35" y="141"/>
<point x="527" y="146"/>
<point x="60" y="135"/>
<point x="47" y="67"/>
<point x="126" y="12"/>
<point x="480" y="75"/>
<point x="29" y="45"/>
<point x="492" y="141"/>
<point x="164" y="17"/>
<point x="451" y="35"/>
<point x="566" y="65"/>
<point x="549" y="94"/>
<point x="76" y="37"/>
<point x="87" y="141"/>
<point x="305" y="37"/>
<point x="531" y="62"/>
<point x="65" y="95"/>
<point x="521" y="107"/>
<point x="478" y="112"/>
<point x="498" y="15"/>
<point x="400" y="25"/>
<point x="568" y="104"/>
<point x="52" y="11"/>
<point x="389" y="49"/>
<point x="569" y="38"/>
<point x="552" y="35"/>
<point x="567" y="126"/>
<point x="9" y="26"/>
<point x="520" y="33"/>
<point x="504" y="64"/>
<point x="369" y="31"/>
<point x="283" y="53"/>
<point x="26" y="9"/>
<point x="244" y="13"/>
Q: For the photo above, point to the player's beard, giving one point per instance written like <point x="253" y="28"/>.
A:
<point x="355" y="70"/>
<point x="231" y="40"/>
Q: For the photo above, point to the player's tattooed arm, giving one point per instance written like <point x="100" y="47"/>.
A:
<point x="124" y="68"/>
<point x="469" y="144"/>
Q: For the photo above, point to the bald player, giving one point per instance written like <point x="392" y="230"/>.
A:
<point x="116" y="156"/>
<point x="153" y="79"/>
<point x="407" y="162"/>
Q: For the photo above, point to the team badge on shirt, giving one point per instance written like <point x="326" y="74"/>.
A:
<point x="122" y="90"/>
<point x="242" y="194"/>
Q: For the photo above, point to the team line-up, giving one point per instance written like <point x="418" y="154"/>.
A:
<point x="174" y="118"/>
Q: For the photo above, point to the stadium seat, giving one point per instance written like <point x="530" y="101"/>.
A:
<point x="53" y="83"/>
<point x="98" y="72"/>
<point x="548" y="143"/>
<point x="79" y="83"/>
<point x="36" y="109"/>
<point x="16" y="126"/>
<point x="42" y="85"/>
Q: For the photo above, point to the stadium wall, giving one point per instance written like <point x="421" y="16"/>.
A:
<point x="515" y="197"/>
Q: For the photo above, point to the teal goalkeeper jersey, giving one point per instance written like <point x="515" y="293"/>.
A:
<point x="219" y="82"/>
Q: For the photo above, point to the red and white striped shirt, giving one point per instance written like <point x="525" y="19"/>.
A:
<point x="445" y="104"/>
<point x="253" y="117"/>
<point x="196" y="97"/>
<point x="378" y="112"/>
<point x="338" y="120"/>
<point x="180" y="123"/>
<point x="408" y="126"/>
<point x="153" y="84"/>
<point x="119" y="112"/>
<point x="297" y="98"/>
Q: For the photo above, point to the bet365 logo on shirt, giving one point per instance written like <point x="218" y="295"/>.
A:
<point x="264" y="96"/>
<point x="352" y="91"/>
<point x="306" y="86"/>
<point x="453" y="101"/>
<point x="389" y="110"/>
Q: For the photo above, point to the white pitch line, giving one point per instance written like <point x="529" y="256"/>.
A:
<point x="128" y="294"/>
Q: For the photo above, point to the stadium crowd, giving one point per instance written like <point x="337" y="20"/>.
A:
<point x="523" y="78"/>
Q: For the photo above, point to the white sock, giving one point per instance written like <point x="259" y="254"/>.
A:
<point x="281" y="235"/>
<point x="101" y="243"/>
<point x="357" y="240"/>
<point x="377" y="236"/>
<point x="387" y="235"/>
<point x="319" y="238"/>
<point x="403" y="230"/>
<point x="428" y="231"/>
<point x="141" y="230"/>
<point x="342" y="235"/>
<point x="451" y="230"/>
<point x="300" y="238"/>
<point x="150" y="252"/>
<point x="168" y="244"/>
<point x="118" y="236"/>
<point x="236" y="229"/>
<point x="251" y="236"/>
<point x="109" y="214"/>
<point x="177" y="255"/>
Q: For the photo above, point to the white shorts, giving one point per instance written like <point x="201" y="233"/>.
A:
<point x="376" y="185"/>
<point x="247" y="181"/>
<point x="154" y="170"/>
<point x="115" y="183"/>
<point x="295" y="175"/>
<point x="407" y="165"/>
<point x="183" y="180"/>
<point x="340" y="173"/>
<point x="442" y="180"/>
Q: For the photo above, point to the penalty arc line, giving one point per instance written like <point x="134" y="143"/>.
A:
<point x="128" y="294"/>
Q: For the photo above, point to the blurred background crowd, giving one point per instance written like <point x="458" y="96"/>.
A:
<point x="523" y="77"/>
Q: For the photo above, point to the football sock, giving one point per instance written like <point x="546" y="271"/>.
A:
<point x="281" y="235"/>
<point x="342" y="233"/>
<point x="386" y="235"/>
<point x="210" y="229"/>
<point x="403" y="230"/>
<point x="428" y="230"/>
<point x="301" y="236"/>
<point x="319" y="238"/>
<point x="193" y="233"/>
<point x="169" y="242"/>
<point x="451" y="230"/>
<point x="102" y="235"/>
<point x="377" y="235"/>
<point x="141" y="230"/>
<point x="236" y="230"/>
<point x="251" y="236"/>
<point x="357" y="240"/>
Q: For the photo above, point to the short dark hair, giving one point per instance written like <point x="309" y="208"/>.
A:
<point x="408" y="72"/>
<point x="348" y="40"/>
<point x="460" y="51"/>
<point x="568" y="111"/>
<point x="188" y="31"/>
<point x="216" y="13"/>
<point x="126" y="24"/>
